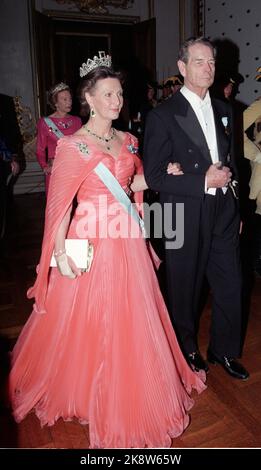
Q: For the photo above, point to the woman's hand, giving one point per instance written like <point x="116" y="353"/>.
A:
<point x="67" y="267"/>
<point x="138" y="183"/>
<point x="48" y="168"/>
<point x="174" y="169"/>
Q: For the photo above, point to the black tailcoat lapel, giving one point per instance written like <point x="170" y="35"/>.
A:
<point x="188" y="121"/>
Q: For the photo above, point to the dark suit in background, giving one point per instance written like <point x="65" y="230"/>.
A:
<point x="10" y="152"/>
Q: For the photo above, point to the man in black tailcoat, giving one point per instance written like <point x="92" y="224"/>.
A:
<point x="194" y="130"/>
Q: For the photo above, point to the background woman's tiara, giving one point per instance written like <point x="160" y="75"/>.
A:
<point x="101" y="61"/>
<point x="59" y="87"/>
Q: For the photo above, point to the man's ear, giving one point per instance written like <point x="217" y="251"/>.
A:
<point x="182" y="67"/>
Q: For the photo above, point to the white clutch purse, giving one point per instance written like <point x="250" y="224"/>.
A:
<point x="80" y="250"/>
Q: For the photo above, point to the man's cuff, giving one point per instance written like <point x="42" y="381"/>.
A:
<point x="211" y="191"/>
<point x="206" y="185"/>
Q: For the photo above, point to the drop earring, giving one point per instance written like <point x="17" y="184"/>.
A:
<point x="92" y="113"/>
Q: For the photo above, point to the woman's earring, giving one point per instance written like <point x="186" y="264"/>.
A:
<point x="92" y="113"/>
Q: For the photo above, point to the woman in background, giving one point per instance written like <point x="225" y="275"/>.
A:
<point x="50" y="129"/>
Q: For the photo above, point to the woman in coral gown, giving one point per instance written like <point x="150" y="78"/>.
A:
<point x="55" y="126"/>
<point x="99" y="346"/>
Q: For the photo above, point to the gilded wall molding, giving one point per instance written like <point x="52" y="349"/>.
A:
<point x="27" y="126"/>
<point x="97" y="6"/>
<point x="84" y="17"/>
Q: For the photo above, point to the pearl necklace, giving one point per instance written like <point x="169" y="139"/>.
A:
<point x="105" y="140"/>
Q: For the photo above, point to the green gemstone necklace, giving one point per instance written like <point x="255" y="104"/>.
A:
<point x="105" y="140"/>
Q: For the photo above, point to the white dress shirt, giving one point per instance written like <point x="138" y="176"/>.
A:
<point x="204" y="112"/>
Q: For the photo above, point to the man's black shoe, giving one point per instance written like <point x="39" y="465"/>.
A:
<point x="231" y="366"/>
<point x="197" y="362"/>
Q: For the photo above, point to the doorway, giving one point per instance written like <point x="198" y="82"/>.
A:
<point x="63" y="44"/>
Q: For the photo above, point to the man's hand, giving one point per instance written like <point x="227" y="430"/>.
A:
<point x="174" y="169"/>
<point x="15" y="168"/>
<point x="218" y="176"/>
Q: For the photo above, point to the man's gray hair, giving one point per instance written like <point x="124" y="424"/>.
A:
<point x="184" y="49"/>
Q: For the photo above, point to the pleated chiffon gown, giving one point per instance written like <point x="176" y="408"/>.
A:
<point x="101" y="348"/>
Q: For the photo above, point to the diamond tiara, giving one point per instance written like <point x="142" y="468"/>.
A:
<point x="101" y="61"/>
<point x="59" y="87"/>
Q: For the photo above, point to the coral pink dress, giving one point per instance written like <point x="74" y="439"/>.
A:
<point x="101" y="348"/>
<point x="47" y="139"/>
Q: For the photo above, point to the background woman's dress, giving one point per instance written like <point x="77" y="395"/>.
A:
<point x="105" y="351"/>
<point x="47" y="140"/>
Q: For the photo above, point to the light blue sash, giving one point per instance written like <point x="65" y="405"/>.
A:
<point x="115" y="188"/>
<point x="54" y="128"/>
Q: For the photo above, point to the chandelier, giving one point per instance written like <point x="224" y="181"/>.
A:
<point x="97" y="6"/>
